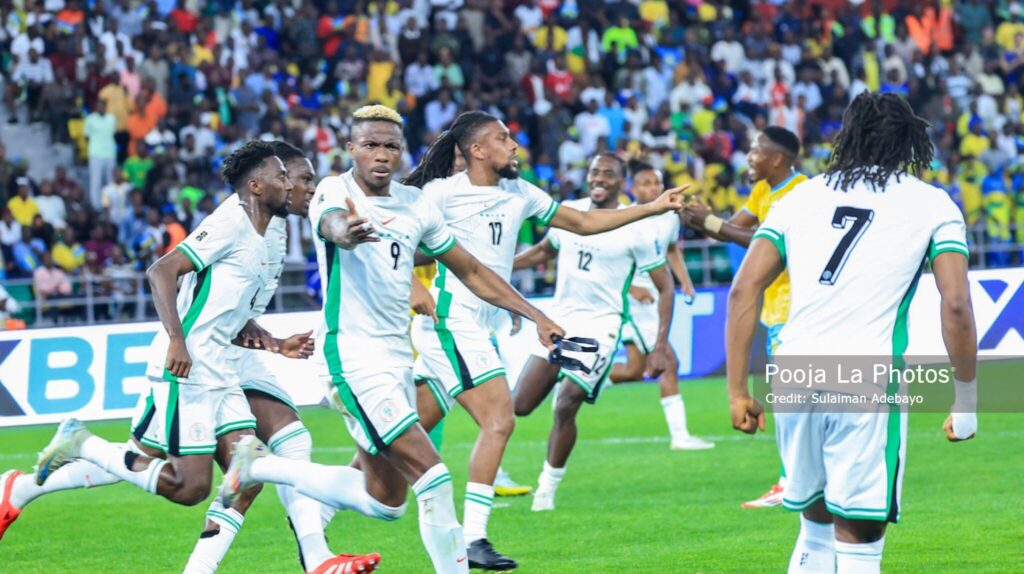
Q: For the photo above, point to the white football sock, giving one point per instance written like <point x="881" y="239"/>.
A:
<point x="341" y="487"/>
<point x="112" y="458"/>
<point x="859" y="558"/>
<point x="439" y="527"/>
<point x="213" y="545"/>
<point x="293" y="442"/>
<point x="549" y="479"/>
<point x="675" y="416"/>
<point x="814" y="552"/>
<point x="479" y="499"/>
<point x="77" y="474"/>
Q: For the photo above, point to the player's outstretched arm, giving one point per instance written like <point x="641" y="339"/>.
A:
<point x="347" y="229"/>
<point x="534" y="256"/>
<point x="760" y="267"/>
<point x="961" y="339"/>
<point x="660" y="358"/>
<point x="739" y="229"/>
<point x="163" y="282"/>
<point x="487" y="285"/>
<point x="601" y="220"/>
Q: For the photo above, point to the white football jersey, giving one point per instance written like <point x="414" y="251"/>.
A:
<point x="485" y="220"/>
<point x="664" y="229"/>
<point x="216" y="301"/>
<point x="854" y="261"/>
<point x="366" y="289"/>
<point x="595" y="271"/>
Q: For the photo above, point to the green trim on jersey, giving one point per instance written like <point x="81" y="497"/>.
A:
<point x="638" y="338"/>
<point x="447" y="340"/>
<point x="170" y="416"/>
<point x="775" y="237"/>
<point x="875" y="514"/>
<point x="800" y="505"/>
<point x="947" y="245"/>
<point x="651" y="267"/>
<point x="321" y="218"/>
<point x="332" y="309"/>
<point x="439" y="394"/>
<point x="626" y="317"/>
<point x="197" y="262"/>
<point x="441" y="250"/>
<point x="492" y="374"/>
<point x="549" y="214"/>
<point x="900" y="342"/>
<point x="234" y="426"/>
<point x="153" y="444"/>
<point x="194" y="310"/>
<point x="403" y="425"/>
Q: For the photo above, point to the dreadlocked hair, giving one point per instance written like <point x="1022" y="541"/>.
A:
<point x="881" y="137"/>
<point x="244" y="160"/>
<point x="439" y="157"/>
<point x="286" y="152"/>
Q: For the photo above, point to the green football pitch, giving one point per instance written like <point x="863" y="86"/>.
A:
<point x="627" y="503"/>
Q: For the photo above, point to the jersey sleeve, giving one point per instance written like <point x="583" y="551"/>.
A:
<point x="436" y="239"/>
<point x="753" y="202"/>
<point x="554" y="237"/>
<point x="647" y="255"/>
<point x="949" y="232"/>
<point x="330" y="196"/>
<point x="539" y="205"/>
<point x="774" y="227"/>
<point x="212" y="240"/>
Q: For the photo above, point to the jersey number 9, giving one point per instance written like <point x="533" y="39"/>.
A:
<point x="396" y="252"/>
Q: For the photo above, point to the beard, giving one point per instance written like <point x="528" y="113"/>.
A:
<point x="510" y="171"/>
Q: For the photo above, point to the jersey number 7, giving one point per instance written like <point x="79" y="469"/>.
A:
<point x="843" y="217"/>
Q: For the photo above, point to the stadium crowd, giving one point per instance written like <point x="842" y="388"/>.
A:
<point x="156" y="94"/>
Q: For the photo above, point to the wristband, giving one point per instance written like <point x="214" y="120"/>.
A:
<point x="713" y="223"/>
<point x="965" y="406"/>
<point x="966" y="400"/>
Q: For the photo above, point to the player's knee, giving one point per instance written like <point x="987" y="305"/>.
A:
<point x="501" y="426"/>
<point x="859" y="531"/>
<point x="191" y="494"/>
<point x="565" y="410"/>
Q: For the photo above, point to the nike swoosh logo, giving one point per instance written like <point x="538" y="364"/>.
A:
<point x="387" y="221"/>
<point x="460" y="560"/>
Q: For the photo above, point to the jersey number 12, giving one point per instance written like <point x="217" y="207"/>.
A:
<point x="858" y="221"/>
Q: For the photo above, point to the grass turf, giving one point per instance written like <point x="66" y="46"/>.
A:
<point x="627" y="503"/>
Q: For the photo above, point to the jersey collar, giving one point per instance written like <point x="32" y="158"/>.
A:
<point x="786" y="181"/>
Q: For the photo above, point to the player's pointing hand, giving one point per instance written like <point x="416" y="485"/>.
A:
<point x="671" y="200"/>
<point x="359" y="229"/>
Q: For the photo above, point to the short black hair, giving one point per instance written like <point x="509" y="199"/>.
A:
<point x="618" y="161"/>
<point x="783" y="138"/>
<point x="244" y="160"/>
<point x="286" y="152"/>
<point x="636" y="167"/>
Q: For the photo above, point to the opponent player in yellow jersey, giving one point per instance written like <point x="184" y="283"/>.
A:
<point x="771" y="158"/>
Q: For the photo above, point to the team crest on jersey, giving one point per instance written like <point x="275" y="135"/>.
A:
<point x="483" y="361"/>
<point x="197" y="432"/>
<point x="387" y="411"/>
<point x="321" y="200"/>
<point x="201" y="236"/>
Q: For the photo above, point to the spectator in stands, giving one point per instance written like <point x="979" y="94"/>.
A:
<point x="26" y="253"/>
<point x="51" y="206"/>
<point x="68" y="253"/>
<point x="10" y="233"/>
<point x="100" y="129"/>
<point x="100" y="245"/>
<point x="30" y="76"/>
<point x="7" y="170"/>
<point x="22" y="206"/>
<point x="50" y="283"/>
